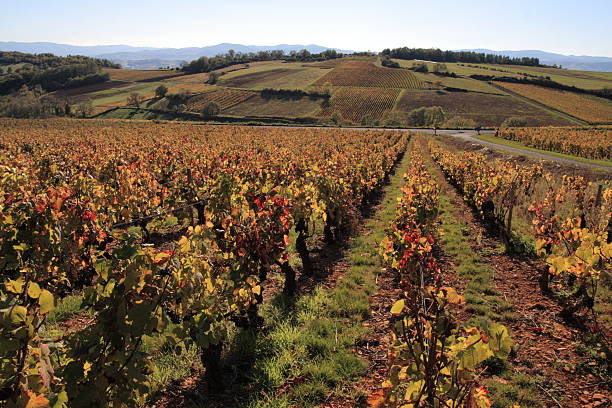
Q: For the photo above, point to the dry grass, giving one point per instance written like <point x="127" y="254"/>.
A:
<point x="588" y="108"/>
<point x="133" y="75"/>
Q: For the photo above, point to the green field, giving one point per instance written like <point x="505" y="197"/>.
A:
<point x="469" y="84"/>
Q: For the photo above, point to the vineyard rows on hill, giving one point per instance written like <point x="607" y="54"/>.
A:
<point x="356" y="103"/>
<point x="366" y="74"/>
<point x="226" y="98"/>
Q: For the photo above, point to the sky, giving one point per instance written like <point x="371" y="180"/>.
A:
<point x="564" y="26"/>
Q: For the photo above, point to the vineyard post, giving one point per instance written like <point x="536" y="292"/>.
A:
<point x="211" y="359"/>
<point x="300" y="245"/>
<point x="289" y="272"/>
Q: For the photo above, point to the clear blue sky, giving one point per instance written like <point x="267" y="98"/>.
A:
<point x="565" y="26"/>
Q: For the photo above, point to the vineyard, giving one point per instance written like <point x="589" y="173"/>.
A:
<point x="356" y="103"/>
<point x="295" y="267"/>
<point x="590" y="143"/>
<point x="365" y="74"/>
<point x="590" y="109"/>
<point x="226" y="98"/>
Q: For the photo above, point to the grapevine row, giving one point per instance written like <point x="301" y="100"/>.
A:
<point x="433" y="360"/>
<point x="589" y="143"/>
<point x="64" y="187"/>
<point x="571" y="218"/>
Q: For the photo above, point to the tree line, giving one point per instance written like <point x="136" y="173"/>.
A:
<point x="48" y="71"/>
<point x="206" y="64"/>
<point x="437" y="55"/>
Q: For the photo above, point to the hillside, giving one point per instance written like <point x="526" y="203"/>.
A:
<point x="362" y="92"/>
<point x="354" y="91"/>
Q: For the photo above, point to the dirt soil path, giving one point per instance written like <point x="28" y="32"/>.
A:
<point x="545" y="345"/>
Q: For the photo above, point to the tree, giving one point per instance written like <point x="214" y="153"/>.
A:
<point x="213" y="77"/>
<point x="459" y="122"/>
<point x="416" y="117"/>
<point x="211" y="109"/>
<point x="434" y="116"/>
<point x="514" y="121"/>
<point x="134" y="99"/>
<point x="161" y="91"/>
<point x="366" y="120"/>
<point x="85" y="108"/>
<point x="337" y="119"/>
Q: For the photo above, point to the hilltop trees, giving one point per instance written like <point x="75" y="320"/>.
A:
<point x="50" y="72"/>
<point x="437" y="55"/>
<point x="206" y="64"/>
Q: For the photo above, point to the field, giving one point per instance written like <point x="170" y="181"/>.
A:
<point x="486" y="110"/>
<point x="118" y="96"/>
<point x="188" y="265"/>
<point x="432" y="81"/>
<point x="276" y="107"/>
<point x="364" y="73"/>
<point x="585" y="107"/>
<point x="132" y="75"/>
<point x="590" y="143"/>
<point x="356" y="103"/>
<point x="226" y="98"/>
<point x="580" y="79"/>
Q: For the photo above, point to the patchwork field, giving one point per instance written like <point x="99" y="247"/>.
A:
<point x="486" y="110"/>
<point x="585" y="107"/>
<point x="226" y="98"/>
<point x="365" y="74"/>
<point x="355" y="103"/>
<point x="89" y="89"/>
<point x="580" y="79"/>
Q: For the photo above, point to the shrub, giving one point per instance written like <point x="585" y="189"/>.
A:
<point x="431" y="116"/>
<point x="458" y="122"/>
<point x="211" y="109"/>
<point x="161" y="91"/>
<point x="336" y="118"/>
<point x="515" y="121"/>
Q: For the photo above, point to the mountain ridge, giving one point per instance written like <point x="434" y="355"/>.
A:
<point x="154" y="57"/>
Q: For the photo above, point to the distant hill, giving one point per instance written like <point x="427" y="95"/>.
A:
<point x="577" y="62"/>
<point x="150" y="57"/>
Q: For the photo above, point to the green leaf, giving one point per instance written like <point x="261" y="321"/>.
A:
<point x="46" y="301"/>
<point x="102" y="268"/>
<point x="15" y="286"/>
<point x="17" y="315"/>
<point x="60" y="400"/>
<point x="398" y="307"/>
<point x="33" y="290"/>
